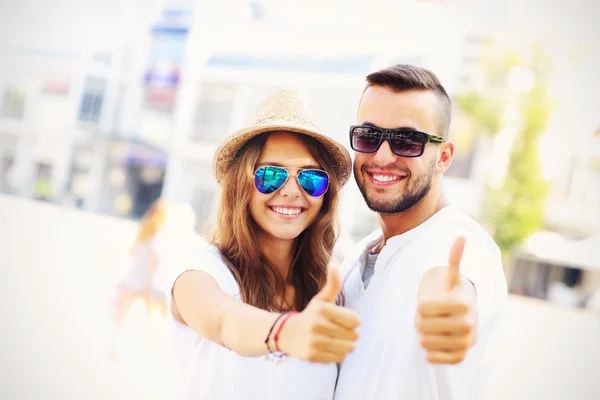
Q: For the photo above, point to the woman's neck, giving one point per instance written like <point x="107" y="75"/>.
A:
<point x="279" y="253"/>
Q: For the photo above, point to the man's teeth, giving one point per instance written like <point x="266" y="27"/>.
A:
<point x="287" y="211"/>
<point x="385" y="178"/>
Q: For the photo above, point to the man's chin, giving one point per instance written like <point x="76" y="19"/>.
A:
<point x="382" y="206"/>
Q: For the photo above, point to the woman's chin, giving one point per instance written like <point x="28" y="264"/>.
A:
<point x="285" y="234"/>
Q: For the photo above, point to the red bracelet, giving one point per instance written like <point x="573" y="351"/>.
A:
<point x="276" y="336"/>
<point x="271" y="331"/>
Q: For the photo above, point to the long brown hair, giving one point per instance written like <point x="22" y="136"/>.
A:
<point x="235" y="234"/>
<point x="152" y="221"/>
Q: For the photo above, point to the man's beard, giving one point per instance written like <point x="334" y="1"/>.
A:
<point x="404" y="201"/>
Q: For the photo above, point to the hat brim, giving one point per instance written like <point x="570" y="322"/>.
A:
<point x="226" y="153"/>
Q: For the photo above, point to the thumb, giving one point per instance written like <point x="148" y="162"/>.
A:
<point x="333" y="286"/>
<point x="456" y="253"/>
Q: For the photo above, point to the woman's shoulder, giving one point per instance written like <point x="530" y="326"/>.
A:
<point x="208" y="258"/>
<point x="209" y="250"/>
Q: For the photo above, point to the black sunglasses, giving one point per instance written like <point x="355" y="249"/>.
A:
<point x="403" y="142"/>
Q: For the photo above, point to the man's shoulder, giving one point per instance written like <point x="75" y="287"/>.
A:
<point x="458" y="223"/>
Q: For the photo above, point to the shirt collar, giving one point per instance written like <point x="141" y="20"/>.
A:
<point x="395" y="243"/>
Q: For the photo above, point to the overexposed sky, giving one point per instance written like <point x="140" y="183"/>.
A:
<point x="65" y="26"/>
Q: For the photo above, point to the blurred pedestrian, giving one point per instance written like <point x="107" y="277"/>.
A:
<point x="259" y="303"/>
<point x="141" y="281"/>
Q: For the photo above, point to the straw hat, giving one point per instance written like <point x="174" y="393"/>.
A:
<point x="282" y="111"/>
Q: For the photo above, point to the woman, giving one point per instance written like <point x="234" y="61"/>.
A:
<point x="141" y="279"/>
<point x="262" y="287"/>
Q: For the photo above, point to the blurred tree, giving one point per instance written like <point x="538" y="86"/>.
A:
<point x="485" y="105"/>
<point x="514" y="209"/>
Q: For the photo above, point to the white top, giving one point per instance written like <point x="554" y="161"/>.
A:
<point x="212" y="372"/>
<point x="388" y="362"/>
<point x="140" y="258"/>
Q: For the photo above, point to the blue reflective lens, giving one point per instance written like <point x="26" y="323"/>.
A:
<point x="314" y="182"/>
<point x="269" y="179"/>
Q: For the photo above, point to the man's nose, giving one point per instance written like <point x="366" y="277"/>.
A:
<point x="384" y="154"/>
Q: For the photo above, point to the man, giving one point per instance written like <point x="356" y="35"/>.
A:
<point x="424" y="303"/>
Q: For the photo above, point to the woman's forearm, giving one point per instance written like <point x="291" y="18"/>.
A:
<point x="322" y="332"/>
<point x="215" y="315"/>
<point x="244" y="329"/>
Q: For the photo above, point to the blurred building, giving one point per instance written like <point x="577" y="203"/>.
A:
<point x="97" y="128"/>
<point x="110" y="127"/>
<point x="71" y="107"/>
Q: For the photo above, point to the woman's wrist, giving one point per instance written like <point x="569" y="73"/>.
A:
<point x="281" y="334"/>
<point x="269" y="342"/>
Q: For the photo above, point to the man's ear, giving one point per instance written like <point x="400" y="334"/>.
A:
<point x="446" y="154"/>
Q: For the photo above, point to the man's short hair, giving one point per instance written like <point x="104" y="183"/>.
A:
<point x="403" y="77"/>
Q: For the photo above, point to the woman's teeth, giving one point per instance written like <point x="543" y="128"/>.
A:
<point x="287" y="211"/>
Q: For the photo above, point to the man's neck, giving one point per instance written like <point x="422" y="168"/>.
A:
<point x="397" y="224"/>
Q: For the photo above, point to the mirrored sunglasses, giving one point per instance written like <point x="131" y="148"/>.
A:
<point x="270" y="179"/>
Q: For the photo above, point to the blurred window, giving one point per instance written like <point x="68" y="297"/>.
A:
<point x="8" y="149"/>
<point x="6" y="164"/>
<point x="148" y="182"/>
<point x="92" y="99"/>
<point x="79" y="181"/>
<point x="13" y="102"/>
<point x="213" y="115"/>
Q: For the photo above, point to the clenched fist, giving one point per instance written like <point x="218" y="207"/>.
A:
<point x="446" y="319"/>
<point x="323" y="332"/>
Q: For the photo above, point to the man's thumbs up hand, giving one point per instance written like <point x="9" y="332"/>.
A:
<point x="456" y="252"/>
<point x="446" y="318"/>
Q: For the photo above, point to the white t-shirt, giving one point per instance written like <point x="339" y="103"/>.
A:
<point x="389" y="362"/>
<point x="140" y="258"/>
<point x="212" y="372"/>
